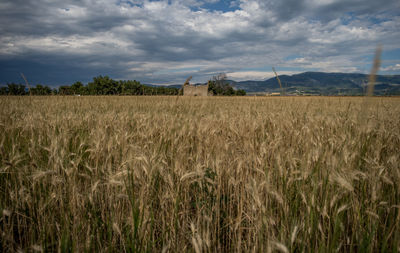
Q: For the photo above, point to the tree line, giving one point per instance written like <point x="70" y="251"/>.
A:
<point x="104" y="85"/>
<point x="219" y="86"/>
<point x="101" y="85"/>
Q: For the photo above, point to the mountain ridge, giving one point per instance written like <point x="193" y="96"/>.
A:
<point x="322" y="83"/>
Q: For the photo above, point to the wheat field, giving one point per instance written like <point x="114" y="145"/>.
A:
<point x="181" y="174"/>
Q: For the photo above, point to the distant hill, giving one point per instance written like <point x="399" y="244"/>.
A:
<point x="323" y="83"/>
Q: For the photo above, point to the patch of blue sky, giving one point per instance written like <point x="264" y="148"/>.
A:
<point x="131" y="3"/>
<point x="388" y="58"/>
<point x="387" y="55"/>
<point x="222" y="6"/>
<point x="347" y="18"/>
<point x="377" y="19"/>
<point x="292" y="57"/>
<point x="391" y="54"/>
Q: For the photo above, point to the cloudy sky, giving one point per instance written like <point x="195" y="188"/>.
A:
<point x="163" y="42"/>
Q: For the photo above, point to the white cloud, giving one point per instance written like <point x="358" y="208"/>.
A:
<point x="392" y="68"/>
<point x="256" y="75"/>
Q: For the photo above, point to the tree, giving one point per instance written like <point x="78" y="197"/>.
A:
<point x="16" y="89"/>
<point x="101" y="85"/>
<point x="3" y="91"/>
<point x="83" y="90"/>
<point x="240" y="93"/>
<point x="218" y="85"/>
<point x="130" y="87"/>
<point x="65" y="90"/>
<point x="104" y="86"/>
<point x="40" y="90"/>
<point x="76" y="87"/>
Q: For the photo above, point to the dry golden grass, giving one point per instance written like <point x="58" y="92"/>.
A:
<point x="199" y="174"/>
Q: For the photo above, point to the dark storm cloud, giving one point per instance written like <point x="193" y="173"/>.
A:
<point x="43" y="17"/>
<point x="51" y="69"/>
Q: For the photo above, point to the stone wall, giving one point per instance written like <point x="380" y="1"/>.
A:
<point x="198" y="90"/>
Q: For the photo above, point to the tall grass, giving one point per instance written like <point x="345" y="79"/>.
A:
<point x="374" y="71"/>
<point x="151" y="174"/>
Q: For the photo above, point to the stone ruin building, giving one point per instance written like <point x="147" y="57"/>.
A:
<point x="194" y="90"/>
